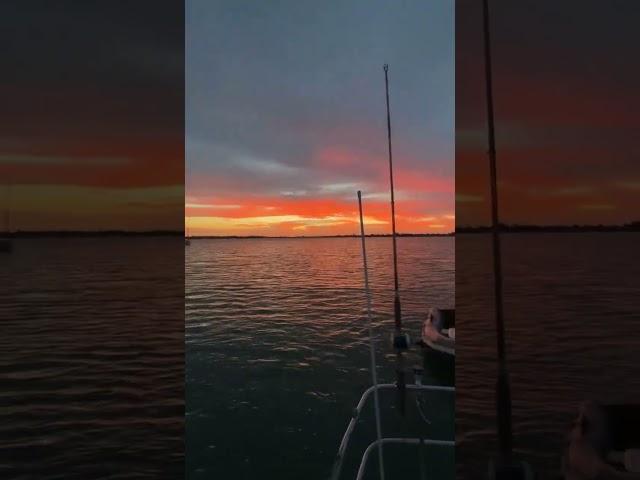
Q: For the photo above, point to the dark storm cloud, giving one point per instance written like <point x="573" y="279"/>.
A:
<point x="278" y="80"/>
<point x="566" y="103"/>
<point x="98" y="67"/>
<point x="111" y="43"/>
<point x="92" y="95"/>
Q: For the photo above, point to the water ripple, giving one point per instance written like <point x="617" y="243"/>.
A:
<point x="92" y="359"/>
<point x="571" y="309"/>
<point x="277" y="351"/>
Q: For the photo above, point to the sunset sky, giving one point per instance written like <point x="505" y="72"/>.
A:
<point x="92" y="117"/>
<point x="566" y="108"/>
<point x="285" y="116"/>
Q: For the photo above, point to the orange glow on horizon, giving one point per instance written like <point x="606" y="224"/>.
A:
<point x="318" y="197"/>
<point x="308" y="216"/>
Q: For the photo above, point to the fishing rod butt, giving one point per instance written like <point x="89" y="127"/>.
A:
<point x="400" y="339"/>
<point x="397" y="311"/>
<point x="503" y="413"/>
<point x="401" y="391"/>
<point x="513" y="470"/>
<point x="400" y="342"/>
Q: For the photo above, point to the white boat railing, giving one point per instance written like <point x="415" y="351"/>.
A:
<point x="337" y="470"/>
<point x="404" y="441"/>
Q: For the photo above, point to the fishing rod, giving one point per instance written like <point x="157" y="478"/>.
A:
<point x="397" y="307"/>
<point x="503" y="390"/>
<point x="400" y="340"/>
<point x="506" y="467"/>
<point x="372" y="350"/>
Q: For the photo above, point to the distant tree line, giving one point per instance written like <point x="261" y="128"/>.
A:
<point x="627" y="227"/>
<point x="97" y="233"/>
<point x="330" y="236"/>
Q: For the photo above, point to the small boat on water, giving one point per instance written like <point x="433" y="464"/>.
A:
<point x="439" y="331"/>
<point x="604" y="442"/>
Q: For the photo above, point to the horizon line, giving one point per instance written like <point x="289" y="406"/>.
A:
<point x="633" y="225"/>
<point x="349" y="235"/>
<point x="80" y="233"/>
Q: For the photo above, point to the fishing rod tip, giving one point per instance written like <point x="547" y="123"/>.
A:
<point x="386" y="67"/>
<point x="359" y="194"/>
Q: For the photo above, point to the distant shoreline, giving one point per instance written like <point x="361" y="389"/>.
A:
<point x="629" y="227"/>
<point x="99" y="233"/>
<point x="373" y="235"/>
<point x="171" y="233"/>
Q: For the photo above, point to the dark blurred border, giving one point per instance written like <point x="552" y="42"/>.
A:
<point x="92" y="239"/>
<point x="566" y="102"/>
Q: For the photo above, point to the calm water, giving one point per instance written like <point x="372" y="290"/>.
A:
<point x="277" y="353"/>
<point x="92" y="357"/>
<point x="572" y="335"/>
